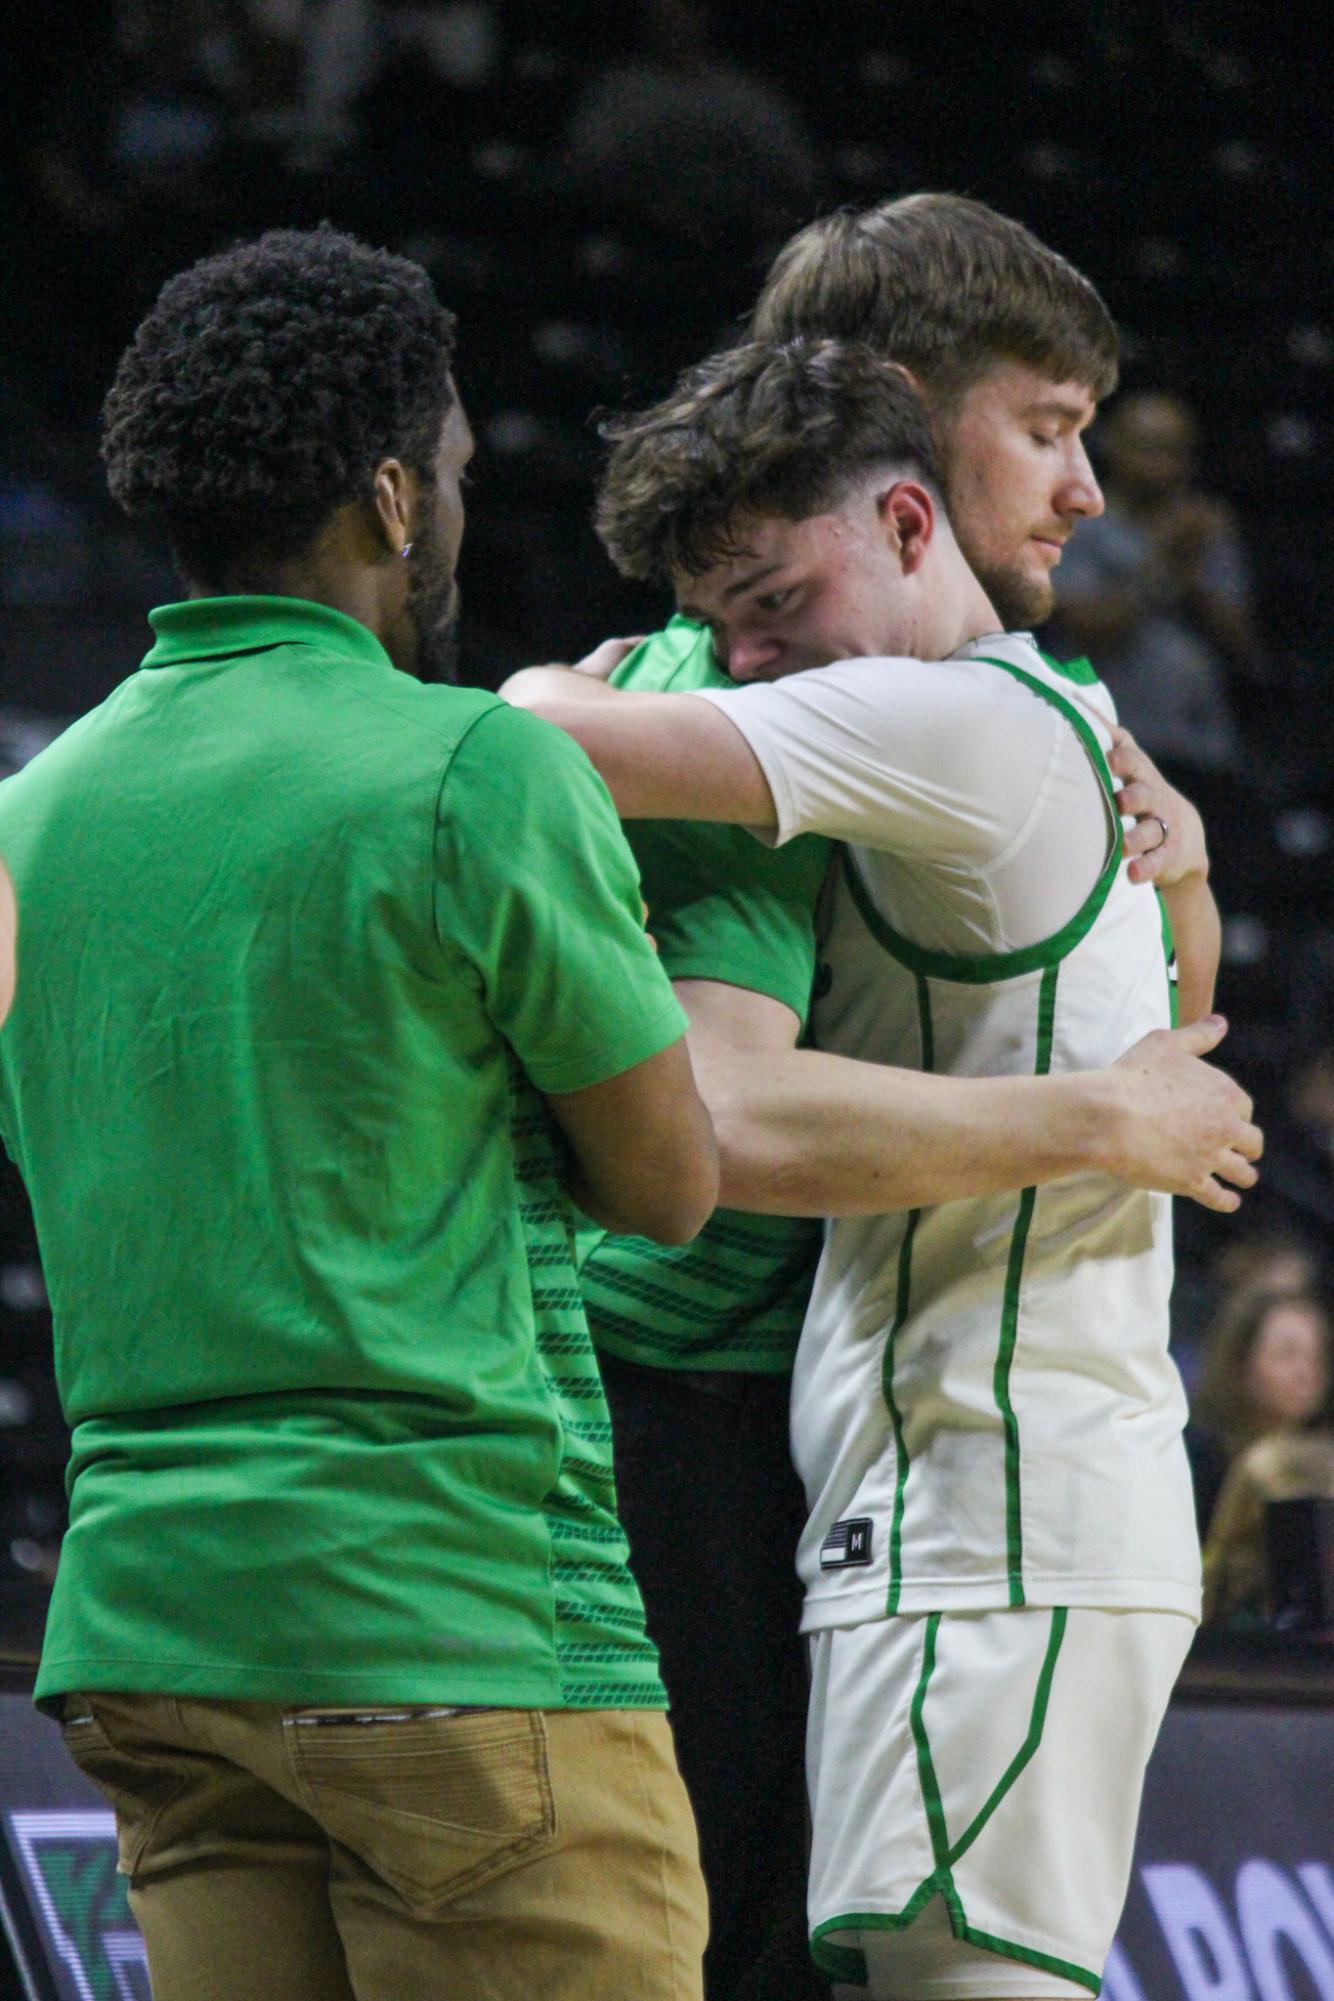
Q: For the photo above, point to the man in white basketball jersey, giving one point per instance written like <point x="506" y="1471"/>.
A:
<point x="1000" y="1565"/>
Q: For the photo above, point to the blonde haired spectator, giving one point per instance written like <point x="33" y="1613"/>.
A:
<point x="1267" y="1261"/>
<point x="1268" y="1368"/>
<point x="1286" y="1466"/>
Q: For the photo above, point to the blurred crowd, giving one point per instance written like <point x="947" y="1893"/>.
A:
<point x="596" y="191"/>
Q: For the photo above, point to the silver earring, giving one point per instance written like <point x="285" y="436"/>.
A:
<point x="405" y="551"/>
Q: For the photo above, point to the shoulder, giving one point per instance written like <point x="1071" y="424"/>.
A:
<point x="501" y="746"/>
<point x="960" y="695"/>
<point x="1072" y="689"/>
<point x="446" y="713"/>
<point x="47" y="766"/>
<point x="896" y="711"/>
<point x="474" y="732"/>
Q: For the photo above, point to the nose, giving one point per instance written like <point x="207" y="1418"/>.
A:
<point x="750" y="659"/>
<point x="1080" y="492"/>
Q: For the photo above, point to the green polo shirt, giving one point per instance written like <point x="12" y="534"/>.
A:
<point x="722" y="907"/>
<point x="299" y="937"/>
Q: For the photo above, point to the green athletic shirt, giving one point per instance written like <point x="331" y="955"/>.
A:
<point x="722" y="907"/>
<point x="298" y="937"/>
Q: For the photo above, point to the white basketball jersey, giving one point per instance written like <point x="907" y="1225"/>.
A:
<point x="984" y="1409"/>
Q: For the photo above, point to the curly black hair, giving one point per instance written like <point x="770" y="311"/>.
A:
<point x="265" y="386"/>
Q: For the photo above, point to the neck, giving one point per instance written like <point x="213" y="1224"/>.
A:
<point x="956" y="608"/>
<point x="344" y="568"/>
<point x="341" y="590"/>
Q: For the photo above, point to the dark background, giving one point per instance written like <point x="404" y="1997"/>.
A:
<point x="591" y="247"/>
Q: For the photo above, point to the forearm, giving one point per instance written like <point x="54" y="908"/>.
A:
<point x="558" y="695"/>
<point x="661" y="756"/>
<point x="1197" y="934"/>
<point x="810" y="1134"/>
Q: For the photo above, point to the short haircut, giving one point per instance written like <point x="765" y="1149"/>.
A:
<point x="945" y="286"/>
<point x="265" y="386"/>
<point x="762" y="429"/>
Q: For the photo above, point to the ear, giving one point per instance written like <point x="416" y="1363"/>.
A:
<point x="394" y="496"/>
<point x="908" y="515"/>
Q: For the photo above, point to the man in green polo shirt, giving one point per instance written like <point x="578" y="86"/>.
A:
<point x="311" y="954"/>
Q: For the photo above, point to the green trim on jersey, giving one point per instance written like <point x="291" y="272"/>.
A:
<point x="1024" y="1755"/>
<point x="1082" y="671"/>
<point x="724" y="907"/>
<point x="1014" y="1272"/>
<point x="983" y="968"/>
<point x="926" y="1770"/>
<point x="1170" y="955"/>
<point x="1047" y="1962"/>
<point x="902" y="1296"/>
<point x="848" y="1963"/>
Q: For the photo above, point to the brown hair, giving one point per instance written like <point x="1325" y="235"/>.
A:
<point x="762" y="429"/>
<point x="945" y="286"/>
<point x="1221" y="1400"/>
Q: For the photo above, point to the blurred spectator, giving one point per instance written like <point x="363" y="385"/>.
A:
<point x="1303" y="1151"/>
<point x="1157" y="590"/>
<point x="684" y="142"/>
<point x="1239" y="1579"/>
<point x="1267" y="1261"/>
<point x="1268" y="1369"/>
<point x="1269" y="1256"/>
<point x="188" y="121"/>
<point x="424" y="109"/>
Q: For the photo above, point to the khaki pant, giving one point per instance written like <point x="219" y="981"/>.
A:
<point x="399" y="1854"/>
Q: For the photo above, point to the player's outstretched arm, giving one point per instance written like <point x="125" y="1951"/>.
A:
<point x="662" y="757"/>
<point x="802" y="1132"/>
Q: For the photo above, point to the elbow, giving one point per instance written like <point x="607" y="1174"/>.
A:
<point x="678" y="1199"/>
<point x="684" y="1203"/>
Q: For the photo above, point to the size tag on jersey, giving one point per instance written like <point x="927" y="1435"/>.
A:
<point x="847" y="1543"/>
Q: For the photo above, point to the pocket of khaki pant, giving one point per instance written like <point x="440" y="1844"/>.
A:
<point x="137" y="1785"/>
<point x="434" y="1804"/>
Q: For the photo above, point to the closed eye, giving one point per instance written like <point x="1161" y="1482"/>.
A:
<point x="771" y="601"/>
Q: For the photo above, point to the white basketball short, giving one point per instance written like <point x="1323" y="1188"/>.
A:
<point x="980" y="1772"/>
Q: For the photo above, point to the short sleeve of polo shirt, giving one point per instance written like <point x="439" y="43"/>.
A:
<point x="721" y="907"/>
<point x="537" y="891"/>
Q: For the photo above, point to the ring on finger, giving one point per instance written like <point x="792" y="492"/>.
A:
<point x="1158" y="844"/>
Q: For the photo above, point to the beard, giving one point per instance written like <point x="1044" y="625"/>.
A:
<point x="1022" y="600"/>
<point x="438" y="650"/>
<point x="433" y="607"/>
